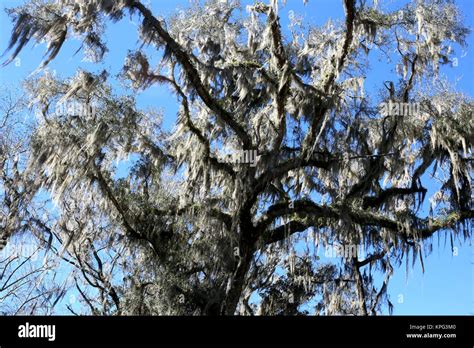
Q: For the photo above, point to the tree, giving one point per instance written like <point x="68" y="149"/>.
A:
<point x="23" y="278"/>
<point x="277" y="150"/>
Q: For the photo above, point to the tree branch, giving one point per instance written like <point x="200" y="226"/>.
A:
<point x="305" y="214"/>
<point x="185" y="61"/>
<point x="384" y="195"/>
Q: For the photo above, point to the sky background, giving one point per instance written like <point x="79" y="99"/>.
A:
<point x="446" y="287"/>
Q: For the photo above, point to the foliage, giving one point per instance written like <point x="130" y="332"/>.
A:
<point x="187" y="233"/>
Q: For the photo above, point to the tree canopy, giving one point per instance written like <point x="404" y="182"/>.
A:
<point x="198" y="227"/>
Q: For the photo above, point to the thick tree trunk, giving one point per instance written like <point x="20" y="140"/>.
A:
<point x="360" y="288"/>
<point x="246" y="252"/>
<point x="237" y="286"/>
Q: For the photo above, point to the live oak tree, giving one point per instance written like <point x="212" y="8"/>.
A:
<point x="188" y="231"/>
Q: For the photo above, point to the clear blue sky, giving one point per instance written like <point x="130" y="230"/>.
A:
<point x="446" y="287"/>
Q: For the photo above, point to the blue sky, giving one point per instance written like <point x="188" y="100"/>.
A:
<point x="446" y="287"/>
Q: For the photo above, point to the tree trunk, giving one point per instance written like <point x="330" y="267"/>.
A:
<point x="233" y="296"/>
<point x="246" y="252"/>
